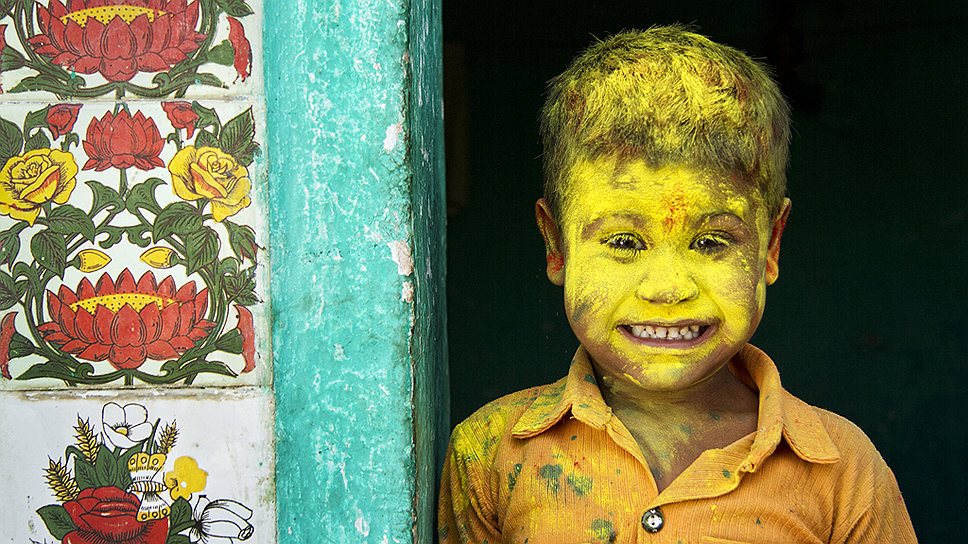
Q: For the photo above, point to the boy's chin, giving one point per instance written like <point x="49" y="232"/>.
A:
<point x="663" y="368"/>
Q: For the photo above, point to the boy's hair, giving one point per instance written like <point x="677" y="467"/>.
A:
<point x="668" y="96"/>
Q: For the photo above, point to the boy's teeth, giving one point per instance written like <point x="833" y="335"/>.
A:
<point x="666" y="333"/>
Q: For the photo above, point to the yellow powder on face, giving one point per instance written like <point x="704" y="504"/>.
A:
<point x="635" y="240"/>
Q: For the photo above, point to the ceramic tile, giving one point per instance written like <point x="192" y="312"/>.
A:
<point x="131" y="239"/>
<point x="158" y="49"/>
<point x="179" y="462"/>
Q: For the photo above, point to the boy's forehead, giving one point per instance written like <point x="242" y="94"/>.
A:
<point x="671" y="190"/>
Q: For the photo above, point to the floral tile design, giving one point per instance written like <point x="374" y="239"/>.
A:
<point x="88" y="49"/>
<point x="131" y="244"/>
<point x="172" y="469"/>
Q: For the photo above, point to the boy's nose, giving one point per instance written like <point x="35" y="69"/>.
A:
<point x="667" y="283"/>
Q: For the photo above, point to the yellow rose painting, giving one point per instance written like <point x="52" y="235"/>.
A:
<point x="29" y="181"/>
<point x="210" y="173"/>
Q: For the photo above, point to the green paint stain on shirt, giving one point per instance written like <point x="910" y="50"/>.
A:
<point x="758" y="522"/>
<point x="726" y="473"/>
<point x="574" y="437"/>
<point x="513" y="476"/>
<point x="603" y="530"/>
<point x="590" y="379"/>
<point x="581" y="485"/>
<point x="552" y="477"/>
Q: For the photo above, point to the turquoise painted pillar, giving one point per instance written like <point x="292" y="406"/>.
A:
<point x="356" y="226"/>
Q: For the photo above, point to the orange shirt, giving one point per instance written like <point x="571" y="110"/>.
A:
<point x="552" y="465"/>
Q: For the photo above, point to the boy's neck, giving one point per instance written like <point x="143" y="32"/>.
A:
<point x="673" y="428"/>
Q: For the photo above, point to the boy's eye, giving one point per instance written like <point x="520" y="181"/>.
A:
<point x="626" y="243"/>
<point x="711" y="243"/>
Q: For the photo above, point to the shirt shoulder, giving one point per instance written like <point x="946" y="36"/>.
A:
<point x="867" y="503"/>
<point x="479" y="434"/>
<point x="854" y="445"/>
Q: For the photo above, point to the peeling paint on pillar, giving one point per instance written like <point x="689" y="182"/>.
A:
<point x="340" y="187"/>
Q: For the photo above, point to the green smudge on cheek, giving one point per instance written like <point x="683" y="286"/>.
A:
<point x="552" y="477"/>
<point x="513" y="476"/>
<point x="581" y="485"/>
<point x="581" y="309"/>
<point x="603" y="530"/>
<point x="686" y="429"/>
<point x="715" y="416"/>
<point x="590" y="379"/>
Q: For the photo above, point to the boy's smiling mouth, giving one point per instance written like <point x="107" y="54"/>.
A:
<point x="680" y="335"/>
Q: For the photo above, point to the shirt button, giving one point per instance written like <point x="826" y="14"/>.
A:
<point x="652" y="520"/>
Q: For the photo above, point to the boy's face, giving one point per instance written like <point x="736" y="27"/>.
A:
<point x="664" y="270"/>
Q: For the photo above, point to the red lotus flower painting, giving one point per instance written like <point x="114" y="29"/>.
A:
<point x="120" y="140"/>
<point x="126" y="322"/>
<point x="117" y="39"/>
<point x="157" y="49"/>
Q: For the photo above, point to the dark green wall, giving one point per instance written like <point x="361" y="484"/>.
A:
<point x="870" y="316"/>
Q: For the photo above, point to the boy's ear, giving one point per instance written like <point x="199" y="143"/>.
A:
<point x="773" y="250"/>
<point x="552" y="239"/>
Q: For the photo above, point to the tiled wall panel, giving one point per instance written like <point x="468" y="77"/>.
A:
<point x="79" y="468"/>
<point x="133" y="271"/>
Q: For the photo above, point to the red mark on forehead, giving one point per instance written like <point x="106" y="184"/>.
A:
<point x="675" y="208"/>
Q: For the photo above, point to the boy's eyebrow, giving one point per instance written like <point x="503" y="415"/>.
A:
<point x="721" y="215"/>
<point x="635" y="218"/>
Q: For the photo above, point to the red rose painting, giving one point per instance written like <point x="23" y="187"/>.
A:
<point x="121" y="141"/>
<point x="61" y="118"/>
<point x="181" y="115"/>
<point x="126" y="322"/>
<point x="6" y="335"/>
<point x="243" y="50"/>
<point x="117" y="40"/>
<point x="247" y="331"/>
<point x="107" y="515"/>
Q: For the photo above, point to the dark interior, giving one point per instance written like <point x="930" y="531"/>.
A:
<point x="870" y="315"/>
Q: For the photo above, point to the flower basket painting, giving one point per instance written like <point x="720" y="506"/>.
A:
<point x="134" y="473"/>
<point x="129" y="243"/>
<point x="83" y="49"/>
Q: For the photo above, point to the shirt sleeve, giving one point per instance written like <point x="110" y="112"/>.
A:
<point x="466" y="512"/>
<point x="886" y="519"/>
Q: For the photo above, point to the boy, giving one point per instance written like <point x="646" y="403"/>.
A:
<point x="665" y="158"/>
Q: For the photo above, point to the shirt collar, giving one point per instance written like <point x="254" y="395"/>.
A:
<point x="578" y="392"/>
<point x="781" y="415"/>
